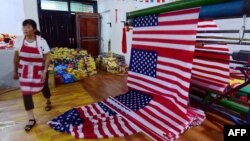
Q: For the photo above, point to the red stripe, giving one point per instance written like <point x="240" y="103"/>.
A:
<point x="180" y="12"/>
<point x="101" y="129"/>
<point x="165" y="32"/>
<point x="212" y="55"/>
<point x="182" y="55"/>
<point x="89" y="111"/>
<point x="111" y="130"/>
<point x="157" y="92"/>
<point x="178" y="112"/>
<point x="173" y="74"/>
<point x="161" y="119"/>
<point x="212" y="73"/>
<point x="128" y="126"/>
<point x="88" y="131"/>
<point x="211" y="66"/>
<point x="174" y="66"/>
<point x="141" y="126"/>
<point x="205" y="26"/>
<point x="160" y="85"/>
<point x="212" y="60"/>
<point x="80" y="111"/>
<point x="119" y="126"/>
<point x="96" y="109"/>
<point x="209" y="80"/>
<point x="212" y="48"/>
<point x="28" y="84"/>
<point x="179" y="22"/>
<point x="26" y="49"/>
<point x="170" y="41"/>
<point x="39" y="60"/>
<point x="25" y="71"/>
<point x="159" y="127"/>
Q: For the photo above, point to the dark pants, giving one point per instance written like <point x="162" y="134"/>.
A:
<point x="28" y="100"/>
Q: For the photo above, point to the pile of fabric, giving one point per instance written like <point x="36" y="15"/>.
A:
<point x="6" y="41"/>
<point x="112" y="63"/>
<point x="72" y="65"/>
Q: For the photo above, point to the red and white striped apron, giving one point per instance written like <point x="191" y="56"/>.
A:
<point x="30" y="69"/>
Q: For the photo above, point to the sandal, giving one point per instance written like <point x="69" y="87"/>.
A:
<point x="28" y="127"/>
<point x="48" y="106"/>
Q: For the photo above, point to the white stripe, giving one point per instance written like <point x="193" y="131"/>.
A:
<point x="31" y="89"/>
<point x="159" y="89"/>
<point x="30" y="55"/>
<point x="99" y="108"/>
<point x="21" y="79"/>
<point x="176" y="62"/>
<point x="207" y="28"/>
<point x="92" y="109"/>
<point x="211" y="50"/>
<point x="142" y="89"/>
<point x="106" y="130"/>
<point x="124" y="127"/>
<point x="166" y="36"/>
<point x="172" y="69"/>
<point x="224" y="73"/>
<point x="85" y="111"/>
<point x="160" y="123"/>
<point x="192" y="16"/>
<point x="210" y="34"/>
<point x="167" y="118"/>
<point x="213" y="39"/>
<point x="225" y="66"/>
<point x="217" y="46"/>
<point x="115" y="128"/>
<point x="137" y="87"/>
<point x="170" y="112"/>
<point x="161" y="82"/>
<point x="31" y="63"/>
<point x="96" y="131"/>
<point x="167" y="28"/>
<point x="177" y="79"/>
<point x="200" y="23"/>
<point x="206" y="85"/>
<point x="137" y="117"/>
<point x="164" y="45"/>
<point x="211" y="76"/>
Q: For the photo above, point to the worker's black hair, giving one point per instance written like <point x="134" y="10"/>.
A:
<point x="32" y="23"/>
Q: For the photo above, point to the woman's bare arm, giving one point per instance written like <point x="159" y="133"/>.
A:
<point x="16" y="62"/>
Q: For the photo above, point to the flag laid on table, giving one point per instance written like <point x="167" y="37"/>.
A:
<point x="158" y="81"/>
<point x="210" y="69"/>
<point x="160" y="67"/>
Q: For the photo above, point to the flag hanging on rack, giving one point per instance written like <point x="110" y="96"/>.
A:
<point x="210" y="70"/>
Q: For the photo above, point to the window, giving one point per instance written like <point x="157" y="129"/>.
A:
<point x="54" y="5"/>
<point x="81" y="7"/>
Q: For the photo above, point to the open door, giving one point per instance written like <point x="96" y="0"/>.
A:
<point x="88" y="32"/>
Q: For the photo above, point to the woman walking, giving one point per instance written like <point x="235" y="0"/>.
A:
<point x="31" y="62"/>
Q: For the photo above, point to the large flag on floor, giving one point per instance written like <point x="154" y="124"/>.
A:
<point x="159" y="79"/>
<point x="211" y="61"/>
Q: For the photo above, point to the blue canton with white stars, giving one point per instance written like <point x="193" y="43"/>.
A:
<point x="143" y="62"/>
<point x="134" y="100"/>
<point x="106" y="109"/>
<point x="144" y="21"/>
<point x="71" y="117"/>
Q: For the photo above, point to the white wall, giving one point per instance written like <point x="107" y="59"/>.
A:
<point x="30" y="10"/>
<point x="13" y="12"/>
<point x="124" y="6"/>
<point x="11" y="16"/>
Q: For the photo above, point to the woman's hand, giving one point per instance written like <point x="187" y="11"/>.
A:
<point x="44" y="75"/>
<point x="15" y="76"/>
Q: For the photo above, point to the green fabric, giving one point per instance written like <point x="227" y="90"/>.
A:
<point x="173" y="6"/>
<point x="234" y="106"/>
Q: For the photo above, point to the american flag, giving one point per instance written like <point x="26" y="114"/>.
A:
<point x="209" y="70"/>
<point x="160" y="66"/>
<point x="159" y="79"/>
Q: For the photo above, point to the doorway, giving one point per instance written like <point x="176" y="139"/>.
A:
<point x="105" y="30"/>
<point x="58" y="20"/>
